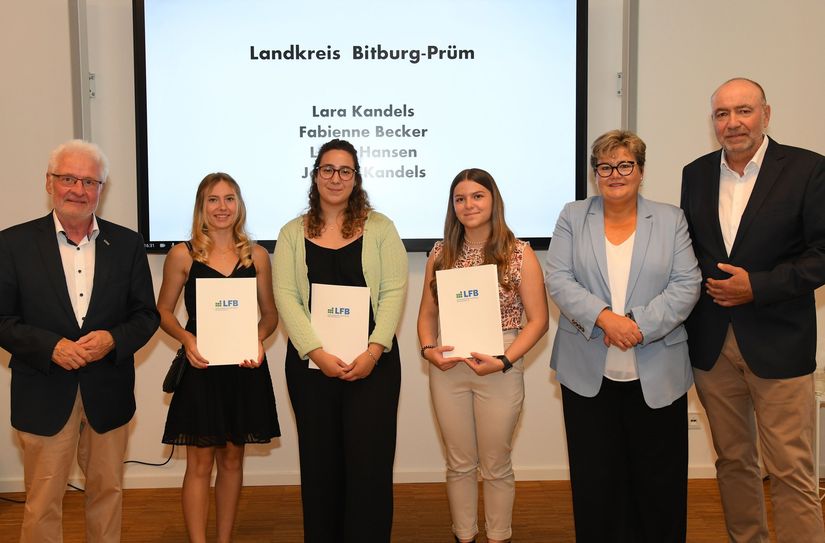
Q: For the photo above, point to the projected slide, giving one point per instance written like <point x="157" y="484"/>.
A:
<point x="422" y="89"/>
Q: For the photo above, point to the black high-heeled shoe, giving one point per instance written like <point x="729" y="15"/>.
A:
<point x="459" y="541"/>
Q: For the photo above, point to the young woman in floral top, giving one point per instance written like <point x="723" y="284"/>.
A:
<point x="478" y="400"/>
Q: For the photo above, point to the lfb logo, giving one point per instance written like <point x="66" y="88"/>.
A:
<point x="464" y="295"/>
<point x="338" y="312"/>
<point x="226" y="304"/>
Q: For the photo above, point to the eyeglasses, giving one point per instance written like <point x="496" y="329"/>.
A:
<point x="327" y="172"/>
<point x="606" y="170"/>
<point x="69" y="181"/>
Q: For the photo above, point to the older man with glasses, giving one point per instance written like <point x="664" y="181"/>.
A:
<point x="76" y="302"/>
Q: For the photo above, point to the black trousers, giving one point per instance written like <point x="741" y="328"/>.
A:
<point x="346" y="441"/>
<point x="628" y="465"/>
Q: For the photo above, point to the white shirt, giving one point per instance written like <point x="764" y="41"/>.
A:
<point x="619" y="365"/>
<point x="735" y="191"/>
<point x="78" y="267"/>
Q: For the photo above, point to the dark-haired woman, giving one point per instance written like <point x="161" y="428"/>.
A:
<point x="478" y="400"/>
<point x="216" y="410"/>
<point x="345" y="410"/>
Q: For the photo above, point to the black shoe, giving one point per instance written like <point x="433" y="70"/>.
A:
<point x="459" y="541"/>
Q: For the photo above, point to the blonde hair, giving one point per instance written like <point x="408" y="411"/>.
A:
<point x="618" y="139"/>
<point x="201" y="242"/>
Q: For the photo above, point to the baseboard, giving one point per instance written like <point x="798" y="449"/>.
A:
<point x="269" y="478"/>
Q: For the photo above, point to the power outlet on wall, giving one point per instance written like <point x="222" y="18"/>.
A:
<point x="694" y="421"/>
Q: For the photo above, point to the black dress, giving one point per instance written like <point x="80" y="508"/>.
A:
<point x="220" y="404"/>
<point x="346" y="430"/>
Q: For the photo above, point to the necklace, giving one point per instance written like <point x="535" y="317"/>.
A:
<point x="329" y="227"/>
<point x="333" y="224"/>
<point x="475" y="244"/>
<point x="221" y="252"/>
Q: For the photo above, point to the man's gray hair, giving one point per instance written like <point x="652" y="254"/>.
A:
<point x="80" y="147"/>
<point x="746" y="80"/>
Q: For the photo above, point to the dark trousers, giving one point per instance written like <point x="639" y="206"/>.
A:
<point x="346" y="441"/>
<point x="628" y="465"/>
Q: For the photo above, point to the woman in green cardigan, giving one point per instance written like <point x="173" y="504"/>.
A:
<point x="345" y="410"/>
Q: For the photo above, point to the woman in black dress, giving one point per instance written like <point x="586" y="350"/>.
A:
<point x="345" y="410"/>
<point x="216" y="410"/>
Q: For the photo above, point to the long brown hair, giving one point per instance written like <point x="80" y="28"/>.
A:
<point x="358" y="204"/>
<point x="499" y="245"/>
<point x="201" y="242"/>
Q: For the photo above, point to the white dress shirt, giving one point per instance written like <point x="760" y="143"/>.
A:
<point x="735" y="191"/>
<point x="78" y="266"/>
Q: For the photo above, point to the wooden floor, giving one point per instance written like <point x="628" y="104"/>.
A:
<point x="543" y="514"/>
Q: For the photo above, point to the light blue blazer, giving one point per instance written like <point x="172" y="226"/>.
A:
<point x="662" y="289"/>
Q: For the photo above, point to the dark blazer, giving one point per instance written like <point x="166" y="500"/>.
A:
<point x="780" y="242"/>
<point x="36" y="312"/>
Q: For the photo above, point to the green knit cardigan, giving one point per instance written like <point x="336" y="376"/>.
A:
<point x="384" y="260"/>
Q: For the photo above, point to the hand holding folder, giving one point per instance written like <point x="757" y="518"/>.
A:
<point x="468" y="310"/>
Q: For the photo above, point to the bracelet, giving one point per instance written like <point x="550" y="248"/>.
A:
<point x="425" y="347"/>
<point x="375" y="360"/>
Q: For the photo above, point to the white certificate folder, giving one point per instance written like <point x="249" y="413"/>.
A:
<point x="227" y="317"/>
<point x="469" y="310"/>
<point x="340" y="318"/>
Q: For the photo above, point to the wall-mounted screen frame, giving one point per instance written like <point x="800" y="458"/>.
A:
<point x="423" y="90"/>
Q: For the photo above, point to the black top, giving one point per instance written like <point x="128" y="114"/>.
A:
<point x="222" y="403"/>
<point x="201" y="270"/>
<point x="340" y="266"/>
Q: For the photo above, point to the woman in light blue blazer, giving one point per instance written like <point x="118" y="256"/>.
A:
<point x="622" y="271"/>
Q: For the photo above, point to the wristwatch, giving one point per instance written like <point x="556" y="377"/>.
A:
<point x="630" y="316"/>
<point x="507" y="364"/>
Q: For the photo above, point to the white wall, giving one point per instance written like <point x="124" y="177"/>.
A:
<point x="36" y="115"/>
<point x="685" y="50"/>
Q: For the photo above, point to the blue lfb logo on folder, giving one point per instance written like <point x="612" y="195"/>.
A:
<point x="336" y="312"/>
<point x="225" y="305"/>
<point x="466" y="295"/>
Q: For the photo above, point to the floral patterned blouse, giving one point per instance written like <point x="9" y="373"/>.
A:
<point x="512" y="308"/>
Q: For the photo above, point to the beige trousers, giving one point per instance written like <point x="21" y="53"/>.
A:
<point x="781" y="413"/>
<point x="477" y="417"/>
<point x="47" y="462"/>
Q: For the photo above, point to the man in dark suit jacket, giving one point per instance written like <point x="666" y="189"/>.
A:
<point x="76" y="302"/>
<point x="756" y="214"/>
